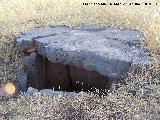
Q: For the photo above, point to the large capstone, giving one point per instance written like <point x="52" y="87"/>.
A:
<point x="80" y="58"/>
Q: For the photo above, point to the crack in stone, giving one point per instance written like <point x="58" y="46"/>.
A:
<point x="45" y="36"/>
<point x="69" y="76"/>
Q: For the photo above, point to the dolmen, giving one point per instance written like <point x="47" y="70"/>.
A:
<point x="80" y="58"/>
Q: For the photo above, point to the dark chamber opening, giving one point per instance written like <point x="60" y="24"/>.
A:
<point x="65" y="77"/>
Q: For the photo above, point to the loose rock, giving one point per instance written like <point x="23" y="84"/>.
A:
<point x="31" y="91"/>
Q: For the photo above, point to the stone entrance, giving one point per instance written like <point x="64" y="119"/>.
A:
<point x="81" y="58"/>
<point x="44" y="74"/>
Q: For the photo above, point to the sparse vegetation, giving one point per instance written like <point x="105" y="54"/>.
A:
<point x="137" y="99"/>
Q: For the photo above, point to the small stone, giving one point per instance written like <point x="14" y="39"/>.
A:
<point x="50" y="92"/>
<point x="47" y="92"/>
<point x="31" y="91"/>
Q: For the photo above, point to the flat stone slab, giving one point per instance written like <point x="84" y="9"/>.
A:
<point x="109" y="51"/>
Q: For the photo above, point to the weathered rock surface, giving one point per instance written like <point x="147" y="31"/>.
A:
<point x="107" y="51"/>
<point x="49" y="92"/>
<point x="22" y="82"/>
<point x="31" y="91"/>
<point x="35" y="68"/>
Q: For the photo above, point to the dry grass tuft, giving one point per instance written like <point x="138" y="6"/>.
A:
<point x="139" y="99"/>
<point x="20" y="15"/>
